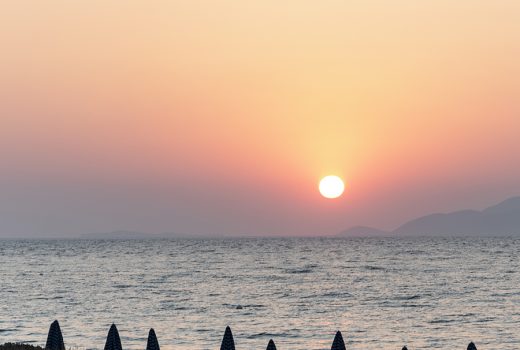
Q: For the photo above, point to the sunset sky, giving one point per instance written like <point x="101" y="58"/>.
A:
<point x="220" y="117"/>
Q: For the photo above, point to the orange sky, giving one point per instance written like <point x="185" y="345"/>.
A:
<point x="221" y="116"/>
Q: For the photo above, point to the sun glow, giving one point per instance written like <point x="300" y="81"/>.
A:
<point x="331" y="187"/>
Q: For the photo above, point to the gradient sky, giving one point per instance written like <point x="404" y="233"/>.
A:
<point x="220" y="117"/>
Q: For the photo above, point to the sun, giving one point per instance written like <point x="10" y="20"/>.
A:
<point x="331" y="187"/>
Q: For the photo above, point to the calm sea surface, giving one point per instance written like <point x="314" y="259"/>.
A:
<point x="381" y="293"/>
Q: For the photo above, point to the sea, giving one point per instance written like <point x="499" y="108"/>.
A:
<point x="425" y="293"/>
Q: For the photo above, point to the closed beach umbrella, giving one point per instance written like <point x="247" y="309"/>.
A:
<point x="227" y="342"/>
<point x="472" y="346"/>
<point x="54" y="338"/>
<point x="270" y="345"/>
<point x="152" y="343"/>
<point x="113" y="340"/>
<point x="338" y="343"/>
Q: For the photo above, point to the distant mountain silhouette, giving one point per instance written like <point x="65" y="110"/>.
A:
<point x="498" y="220"/>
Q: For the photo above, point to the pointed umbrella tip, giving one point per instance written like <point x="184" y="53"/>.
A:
<point x="54" y="337"/>
<point x="471" y="346"/>
<point x="338" y="343"/>
<point x="404" y="348"/>
<point x="227" y="342"/>
<point x="271" y="345"/>
<point x="113" y="340"/>
<point x="153" y="343"/>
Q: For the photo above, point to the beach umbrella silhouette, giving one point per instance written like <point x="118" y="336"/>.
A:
<point x="270" y="345"/>
<point x="472" y="346"/>
<point x="113" y="340"/>
<point x="152" y="343"/>
<point x="227" y="342"/>
<point x="338" y="343"/>
<point x="54" y="338"/>
<point x="404" y="348"/>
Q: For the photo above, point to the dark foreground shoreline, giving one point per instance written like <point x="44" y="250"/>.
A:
<point x="19" y="346"/>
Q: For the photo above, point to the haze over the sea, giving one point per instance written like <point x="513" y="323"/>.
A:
<point x="220" y="117"/>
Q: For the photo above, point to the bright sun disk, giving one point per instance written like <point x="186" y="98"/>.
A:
<point x="331" y="186"/>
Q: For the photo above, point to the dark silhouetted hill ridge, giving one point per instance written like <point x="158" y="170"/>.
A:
<point x="502" y="219"/>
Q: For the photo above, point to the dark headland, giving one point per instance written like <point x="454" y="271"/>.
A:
<point x="502" y="219"/>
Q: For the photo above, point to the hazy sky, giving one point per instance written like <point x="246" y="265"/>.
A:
<point x="221" y="116"/>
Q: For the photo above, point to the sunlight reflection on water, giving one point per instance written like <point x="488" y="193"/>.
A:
<point x="381" y="293"/>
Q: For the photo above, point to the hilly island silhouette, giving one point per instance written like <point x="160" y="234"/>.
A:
<point x="502" y="219"/>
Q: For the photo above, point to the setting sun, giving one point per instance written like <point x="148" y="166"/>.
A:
<point x="331" y="186"/>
